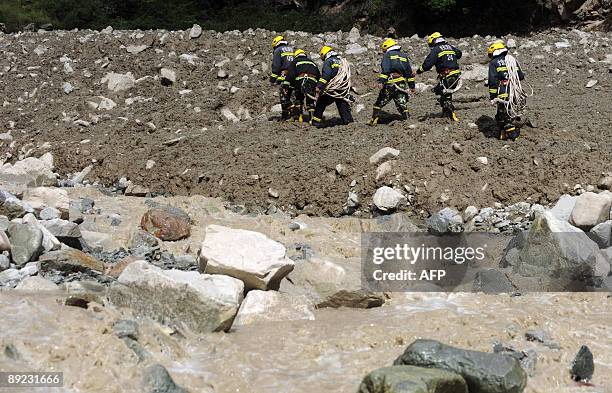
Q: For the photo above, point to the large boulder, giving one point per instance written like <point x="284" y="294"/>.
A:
<point x="327" y="284"/>
<point x="202" y="302"/>
<point x="269" y="306"/>
<point x="252" y="257"/>
<point x="591" y="209"/>
<point x="50" y="242"/>
<point x="483" y="372"/>
<point x="5" y="244"/>
<point x="12" y="207"/>
<point x="410" y="379"/>
<point x="166" y="223"/>
<point x="602" y="234"/>
<point x="564" y="206"/>
<point x="68" y="261"/>
<point x="30" y="172"/>
<point x="26" y="242"/>
<point x="556" y="252"/>
<point x="475" y="72"/>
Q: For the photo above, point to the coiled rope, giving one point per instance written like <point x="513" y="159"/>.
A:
<point x="340" y="86"/>
<point x="516" y="105"/>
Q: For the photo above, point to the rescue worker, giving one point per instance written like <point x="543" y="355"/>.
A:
<point x="445" y="58"/>
<point x="499" y="89"/>
<point x="395" y="78"/>
<point x="332" y="64"/>
<point x="303" y="75"/>
<point x="282" y="56"/>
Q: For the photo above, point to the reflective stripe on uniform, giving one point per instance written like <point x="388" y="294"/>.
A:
<point x="396" y="80"/>
<point x="421" y="68"/>
<point x="447" y="52"/>
<point x="304" y="62"/>
<point x="284" y="54"/>
<point x="411" y="79"/>
<point x="505" y="95"/>
<point x="316" y="118"/>
<point x="273" y="75"/>
<point x="454" y="72"/>
<point x="383" y="76"/>
<point x="500" y="69"/>
<point x="492" y="90"/>
<point x="299" y="78"/>
<point x="398" y="57"/>
<point x="335" y="65"/>
<point x="324" y="81"/>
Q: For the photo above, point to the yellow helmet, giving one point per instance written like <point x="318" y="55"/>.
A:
<point x="299" y="52"/>
<point x="277" y="40"/>
<point x="388" y="43"/>
<point x="497" y="45"/>
<point x="325" y="50"/>
<point x="433" y="37"/>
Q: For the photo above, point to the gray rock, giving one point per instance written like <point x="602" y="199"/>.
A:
<point x="50" y="242"/>
<point x="4" y="223"/>
<point x="492" y="281"/>
<point x="9" y="277"/>
<point x="602" y="234"/>
<point x="5" y="262"/>
<point x="26" y="242"/>
<point x="582" y="367"/>
<point x="126" y="328"/>
<point x="469" y="213"/>
<point x="119" y="82"/>
<point x="12" y="207"/>
<point x="168" y="76"/>
<point x="143" y="243"/>
<point x="605" y="182"/>
<point x="31" y="172"/>
<point x="195" y="32"/>
<point x="483" y="372"/>
<point x="36" y="284"/>
<point x="355" y="49"/>
<point x="5" y="243"/>
<point x="156" y="379"/>
<point x="65" y="231"/>
<point x="49" y="213"/>
<point x="557" y="253"/>
<point x="410" y="379"/>
<point x="563" y="208"/>
<point x="202" y="302"/>
<point x="445" y="221"/>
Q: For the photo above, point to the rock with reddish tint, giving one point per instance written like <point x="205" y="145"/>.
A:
<point x="167" y="223"/>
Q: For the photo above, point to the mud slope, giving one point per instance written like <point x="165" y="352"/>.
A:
<point x="198" y="150"/>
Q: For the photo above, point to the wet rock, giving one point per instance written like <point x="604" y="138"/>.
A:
<point x="168" y="224"/>
<point x="445" y="221"/>
<point x="68" y="261"/>
<point x="582" y="367"/>
<point x="554" y="249"/>
<point x="36" y="284"/>
<point x="387" y="199"/>
<point x="31" y="172"/>
<point x="563" y="208"/>
<point x="26" y="242"/>
<point x="119" y="82"/>
<point x="483" y="372"/>
<point x="260" y="262"/>
<point x="5" y="244"/>
<point x="384" y="154"/>
<point x="12" y="207"/>
<point x="269" y="306"/>
<point x="195" y="32"/>
<point x="168" y="76"/>
<point x="410" y="379"/>
<point x="591" y="209"/>
<point x="602" y="234"/>
<point x="156" y="379"/>
<point x="202" y="302"/>
<point x="126" y="328"/>
<point x="492" y="281"/>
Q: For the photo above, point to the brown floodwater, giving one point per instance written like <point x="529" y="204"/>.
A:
<point x="329" y="354"/>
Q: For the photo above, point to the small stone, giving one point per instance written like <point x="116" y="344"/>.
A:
<point x="384" y="170"/>
<point x="444" y="221"/>
<point x="384" y="154"/>
<point x="167" y="223"/>
<point x="605" y="182"/>
<point x="273" y="193"/>
<point x="168" y="76"/>
<point x="49" y="213"/>
<point x="591" y="83"/>
<point x="222" y="74"/>
<point x="387" y="199"/>
<point x="156" y="379"/>
<point x="126" y="328"/>
<point x="150" y="164"/>
<point x="67" y="88"/>
<point x="483" y="160"/>
<point x="591" y="209"/>
<point x="469" y="213"/>
<point x="195" y="32"/>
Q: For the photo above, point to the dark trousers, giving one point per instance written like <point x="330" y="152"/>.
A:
<point x="344" y="109"/>
<point x="446" y="100"/>
<point x="391" y="92"/>
<point x="285" y="93"/>
<point x="304" y="98"/>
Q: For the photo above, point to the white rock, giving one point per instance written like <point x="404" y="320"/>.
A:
<point x="203" y="302"/>
<point x="106" y="104"/>
<point x="252" y="257"/>
<point x="591" y="83"/>
<point x="135" y="49"/>
<point x="354" y="35"/>
<point x="31" y="172"/>
<point x="355" y="49"/>
<point x="119" y="82"/>
<point x="483" y="160"/>
<point x="563" y="208"/>
<point x="42" y="197"/>
<point x="195" y="32"/>
<point x="511" y="43"/>
<point x="272" y="306"/>
<point x="168" y="76"/>
<point x="49" y="242"/>
<point x="591" y="209"/>
<point x="67" y="87"/>
<point x="475" y="72"/>
<point x="384" y="154"/>
<point x="229" y="115"/>
<point x="386" y="198"/>
<point x="469" y="213"/>
<point x="384" y="170"/>
<point x="150" y="164"/>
